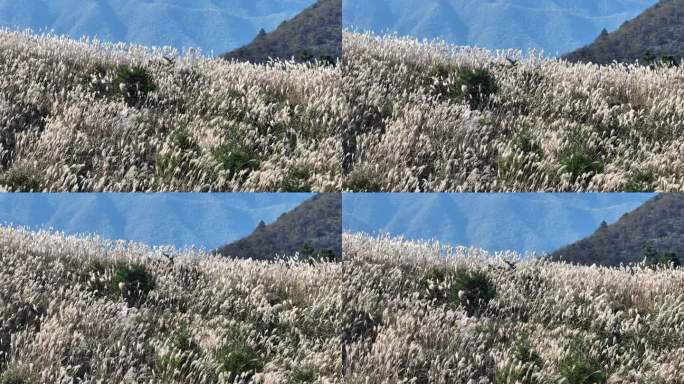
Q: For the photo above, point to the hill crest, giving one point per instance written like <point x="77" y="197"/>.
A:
<point x="656" y="34"/>
<point x="657" y="224"/>
<point x="316" y="224"/>
<point x="314" y="33"/>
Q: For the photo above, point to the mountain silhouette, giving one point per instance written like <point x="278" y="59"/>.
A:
<point x="211" y="25"/>
<point x="554" y="26"/>
<point x="312" y="228"/>
<point x="656" y="34"/>
<point x="315" y="33"/>
<point x="658" y="224"/>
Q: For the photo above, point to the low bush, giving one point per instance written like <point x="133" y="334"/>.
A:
<point x="475" y="87"/>
<point x="21" y="179"/>
<point x="297" y="180"/>
<point x="579" y="368"/>
<point x="236" y="159"/>
<point x="238" y="359"/>
<point x="132" y="282"/>
<point x="361" y="181"/>
<point x="472" y="290"/>
<point x="578" y="158"/>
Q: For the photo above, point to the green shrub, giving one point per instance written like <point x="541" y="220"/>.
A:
<point x="21" y="179"/>
<point x="472" y="290"/>
<point x="132" y="282"/>
<point x="640" y="182"/>
<point x="182" y="340"/>
<point x="235" y="159"/>
<point x="326" y="256"/>
<point x="237" y="359"/>
<point x="16" y="376"/>
<point x="361" y="181"/>
<point x="433" y="282"/>
<point x="521" y="367"/>
<point x="474" y="86"/>
<point x="183" y="140"/>
<point x="165" y="165"/>
<point x="301" y="376"/>
<point x="179" y="359"/>
<point x="94" y="275"/>
<point x="524" y="142"/>
<point x="133" y="84"/>
<point x="578" y="368"/>
<point x="297" y="180"/>
<point x="360" y="326"/>
<point x="670" y="260"/>
<point x="130" y="84"/>
<point x="578" y="158"/>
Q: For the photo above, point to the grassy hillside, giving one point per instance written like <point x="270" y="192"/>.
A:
<point x="86" y="310"/>
<point x="413" y="316"/>
<point x="316" y="33"/>
<point x="434" y="117"/>
<point x="658" y="33"/>
<point x="86" y="116"/>
<point x="656" y="225"/>
<point x="312" y="229"/>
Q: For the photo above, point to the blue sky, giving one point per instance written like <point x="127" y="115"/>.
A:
<point x="554" y="26"/>
<point x="211" y="25"/>
<point x="523" y="222"/>
<point x="205" y="220"/>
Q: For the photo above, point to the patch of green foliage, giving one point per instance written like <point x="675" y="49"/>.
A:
<point x="524" y="142"/>
<point x="640" y="182"/>
<point x="473" y="290"/>
<point x="670" y="260"/>
<point x="133" y="84"/>
<point x="130" y="84"/>
<point x="361" y="181"/>
<point x="237" y="359"/>
<point x="16" y="376"/>
<point x="301" y="376"/>
<point x="179" y="359"/>
<point x="523" y="364"/>
<point x="578" y="158"/>
<point x="297" y="180"/>
<point x="183" y="140"/>
<point x="236" y="159"/>
<point x="475" y="87"/>
<point x="167" y="163"/>
<point x="580" y="368"/>
<point x="21" y="179"/>
<point x="133" y="283"/>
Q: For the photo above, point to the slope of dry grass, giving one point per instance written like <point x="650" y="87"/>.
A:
<point x="434" y="117"/>
<point x="85" y="310"/>
<point x="90" y="116"/>
<point x="421" y="313"/>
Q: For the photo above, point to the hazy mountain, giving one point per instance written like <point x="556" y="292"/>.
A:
<point x="316" y="222"/>
<point x="523" y="222"/>
<point x="181" y="219"/>
<point x="217" y="25"/>
<point x="316" y="32"/>
<point x="658" y="31"/>
<point x="659" y="224"/>
<point x="556" y="26"/>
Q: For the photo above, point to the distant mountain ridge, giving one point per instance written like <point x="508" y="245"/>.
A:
<point x="657" y="224"/>
<point x="212" y="25"/>
<point x="316" y="224"/>
<point x="556" y="26"/>
<point x="204" y="220"/>
<point x="521" y="222"/>
<point x="658" y="33"/>
<point x="314" y="33"/>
